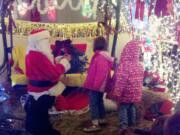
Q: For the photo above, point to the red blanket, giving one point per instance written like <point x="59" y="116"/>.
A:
<point x="73" y="101"/>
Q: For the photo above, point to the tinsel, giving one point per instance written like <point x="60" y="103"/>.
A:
<point x="78" y="30"/>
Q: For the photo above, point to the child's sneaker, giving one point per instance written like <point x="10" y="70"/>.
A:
<point x="92" y="127"/>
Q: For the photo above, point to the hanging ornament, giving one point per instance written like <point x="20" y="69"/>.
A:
<point x="35" y="15"/>
<point x="160" y="8"/>
<point x="52" y="15"/>
<point x="87" y="9"/>
<point x="140" y="7"/>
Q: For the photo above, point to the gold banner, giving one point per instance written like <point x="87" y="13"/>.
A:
<point x="75" y="30"/>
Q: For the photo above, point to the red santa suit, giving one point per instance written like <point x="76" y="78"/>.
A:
<point x="42" y="71"/>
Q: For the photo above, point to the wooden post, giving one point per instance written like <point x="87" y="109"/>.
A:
<point x="4" y="10"/>
<point x="118" y="7"/>
<point x="3" y="32"/>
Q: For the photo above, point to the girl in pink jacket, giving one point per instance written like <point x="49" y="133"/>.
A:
<point x="127" y="89"/>
<point x="97" y="78"/>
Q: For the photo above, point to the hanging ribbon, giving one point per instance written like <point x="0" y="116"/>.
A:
<point x="140" y="7"/>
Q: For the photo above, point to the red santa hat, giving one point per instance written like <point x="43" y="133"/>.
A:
<point x="38" y="34"/>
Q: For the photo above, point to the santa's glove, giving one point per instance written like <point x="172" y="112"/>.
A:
<point x="65" y="63"/>
<point x="58" y="59"/>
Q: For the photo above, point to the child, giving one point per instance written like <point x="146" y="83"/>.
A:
<point x="172" y="125"/>
<point x="128" y="84"/>
<point x="97" y="78"/>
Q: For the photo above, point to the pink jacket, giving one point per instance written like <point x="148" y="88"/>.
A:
<point x="99" y="71"/>
<point x="128" y="76"/>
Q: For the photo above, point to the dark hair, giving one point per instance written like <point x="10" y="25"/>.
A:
<point x="172" y="126"/>
<point x="100" y="44"/>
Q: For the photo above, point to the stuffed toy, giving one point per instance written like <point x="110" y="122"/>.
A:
<point x="78" y="61"/>
<point x="157" y="127"/>
<point x="159" y="109"/>
<point x="153" y="81"/>
<point x="153" y="105"/>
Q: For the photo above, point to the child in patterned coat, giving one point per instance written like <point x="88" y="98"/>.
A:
<point x="128" y="81"/>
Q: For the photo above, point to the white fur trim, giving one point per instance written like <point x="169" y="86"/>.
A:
<point x="39" y="36"/>
<point x="36" y="95"/>
<point x="65" y="63"/>
<point x="57" y="89"/>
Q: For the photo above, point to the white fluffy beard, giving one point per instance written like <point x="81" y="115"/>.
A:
<point x="42" y="46"/>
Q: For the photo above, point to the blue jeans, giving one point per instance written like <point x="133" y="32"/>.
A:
<point x="127" y="114"/>
<point x="97" y="109"/>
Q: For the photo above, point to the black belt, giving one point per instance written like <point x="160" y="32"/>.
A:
<point x="41" y="83"/>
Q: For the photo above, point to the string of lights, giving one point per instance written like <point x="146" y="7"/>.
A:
<point x="165" y="60"/>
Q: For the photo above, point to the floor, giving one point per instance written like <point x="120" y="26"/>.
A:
<point x="73" y="125"/>
<point x="12" y="117"/>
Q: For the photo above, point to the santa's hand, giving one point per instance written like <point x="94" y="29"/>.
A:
<point x="58" y="59"/>
<point x="68" y="57"/>
<point x="65" y="62"/>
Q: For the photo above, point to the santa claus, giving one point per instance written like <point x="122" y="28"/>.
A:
<point x="42" y="70"/>
<point x="43" y="73"/>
